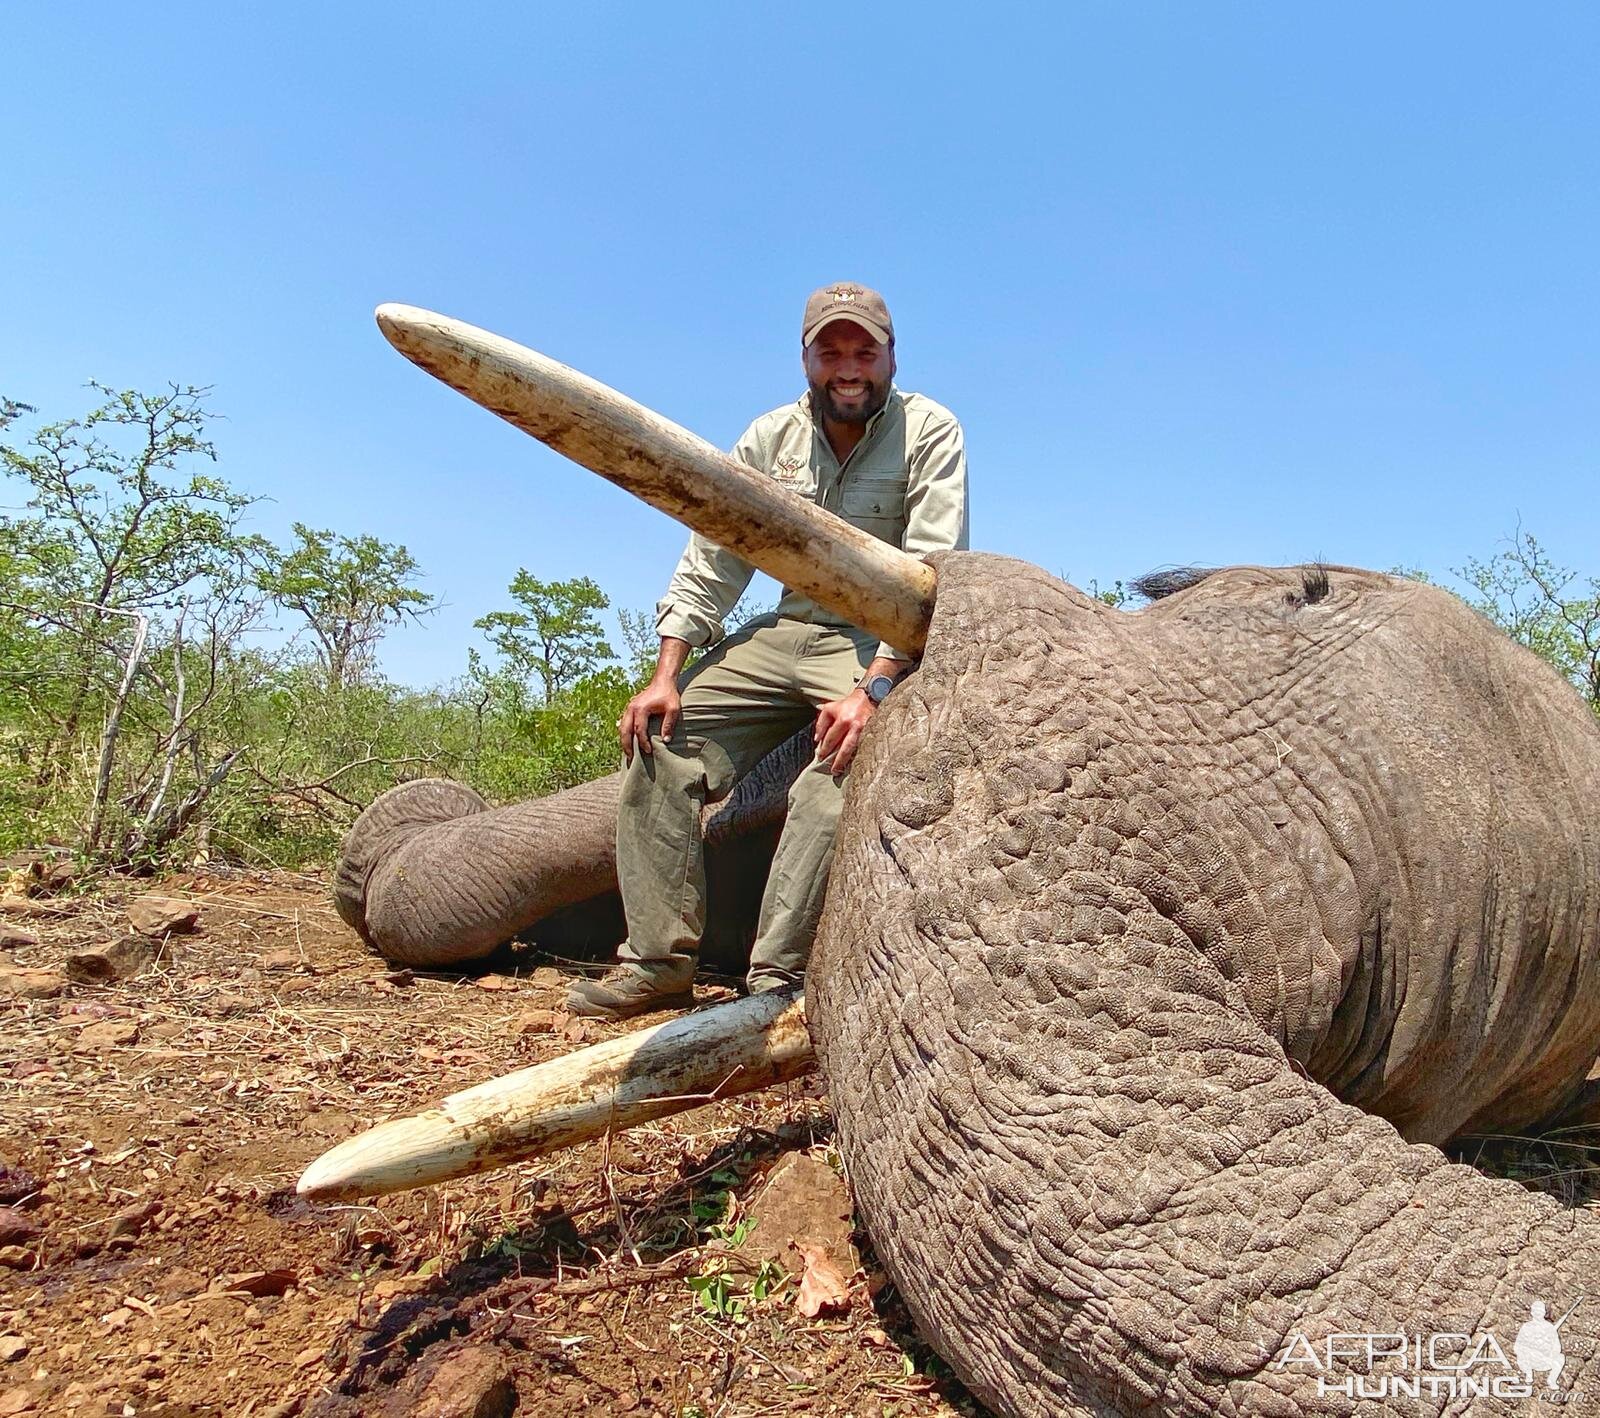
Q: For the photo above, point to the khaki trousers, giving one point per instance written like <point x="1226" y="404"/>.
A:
<point x="740" y="701"/>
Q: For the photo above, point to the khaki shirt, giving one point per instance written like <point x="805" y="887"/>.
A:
<point x="905" y="482"/>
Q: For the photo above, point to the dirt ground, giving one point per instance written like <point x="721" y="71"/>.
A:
<point x="155" y="1260"/>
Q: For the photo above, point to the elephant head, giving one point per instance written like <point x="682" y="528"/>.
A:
<point x="1159" y="947"/>
<point x="1124" y="905"/>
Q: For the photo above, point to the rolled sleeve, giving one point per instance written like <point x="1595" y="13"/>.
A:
<point x="704" y="588"/>
<point x="936" y="497"/>
<point x="708" y="581"/>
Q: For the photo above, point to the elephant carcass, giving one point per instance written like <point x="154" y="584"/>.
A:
<point x="431" y="875"/>
<point x="1109" y="888"/>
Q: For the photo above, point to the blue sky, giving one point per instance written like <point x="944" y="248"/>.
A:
<point x="1205" y="283"/>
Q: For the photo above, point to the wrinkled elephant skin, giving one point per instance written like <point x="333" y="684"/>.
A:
<point x="1123" y="901"/>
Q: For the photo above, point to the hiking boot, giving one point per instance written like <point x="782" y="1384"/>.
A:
<point x="630" y="989"/>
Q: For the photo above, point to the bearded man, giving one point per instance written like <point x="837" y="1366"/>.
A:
<point x="891" y="463"/>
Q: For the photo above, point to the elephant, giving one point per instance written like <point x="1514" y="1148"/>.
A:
<point x="1163" y="948"/>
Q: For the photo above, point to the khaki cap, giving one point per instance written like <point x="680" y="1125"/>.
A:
<point x="845" y="300"/>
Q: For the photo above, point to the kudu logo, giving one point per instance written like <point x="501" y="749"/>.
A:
<point x="1448" y="1364"/>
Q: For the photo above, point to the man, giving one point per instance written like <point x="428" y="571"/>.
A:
<point x="894" y="465"/>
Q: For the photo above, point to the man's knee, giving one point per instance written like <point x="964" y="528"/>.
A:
<point x="694" y="765"/>
<point x="666" y="768"/>
<point x="816" y="795"/>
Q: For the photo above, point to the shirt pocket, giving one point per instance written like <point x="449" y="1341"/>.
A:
<point x="881" y="499"/>
<point x="876" y="506"/>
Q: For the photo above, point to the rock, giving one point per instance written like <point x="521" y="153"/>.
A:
<point x="16" y="1229"/>
<point x="470" y="1380"/>
<point x="16" y="1400"/>
<point x="119" y="960"/>
<point x="281" y="960"/>
<point x="107" y="1035"/>
<point x="804" y="1204"/>
<point x="534" y="1021"/>
<point x="127" y="1224"/>
<point x="12" y="937"/>
<point x="16" y="1257"/>
<point x="15" y="1184"/>
<point x="31" y="984"/>
<point x="12" y="1348"/>
<point x="25" y="906"/>
<point x="162" y="915"/>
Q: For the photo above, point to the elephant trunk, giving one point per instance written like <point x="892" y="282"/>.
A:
<point x="1115" y="1194"/>
<point x="431" y="876"/>
<point x="439" y="890"/>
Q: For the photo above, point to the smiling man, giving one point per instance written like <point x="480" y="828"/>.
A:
<point x="893" y="464"/>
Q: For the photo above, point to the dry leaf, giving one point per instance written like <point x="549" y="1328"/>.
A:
<point x="260" y="1282"/>
<point x="822" y="1287"/>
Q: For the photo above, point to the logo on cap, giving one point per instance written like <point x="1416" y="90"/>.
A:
<point x="847" y="300"/>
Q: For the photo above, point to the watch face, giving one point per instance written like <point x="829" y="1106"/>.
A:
<point x="878" y="688"/>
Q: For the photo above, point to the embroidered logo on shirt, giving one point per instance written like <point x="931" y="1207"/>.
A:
<point x="787" y="468"/>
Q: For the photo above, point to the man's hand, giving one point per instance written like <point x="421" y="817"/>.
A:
<point x="839" y="726"/>
<point x="660" y="696"/>
<point x="840" y="721"/>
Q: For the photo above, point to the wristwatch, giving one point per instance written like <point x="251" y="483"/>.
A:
<point x="878" y="688"/>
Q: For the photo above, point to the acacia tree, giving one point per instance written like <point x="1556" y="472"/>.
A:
<point x="115" y="528"/>
<point x="554" y="636"/>
<point x="1544" y="606"/>
<point x="350" y="590"/>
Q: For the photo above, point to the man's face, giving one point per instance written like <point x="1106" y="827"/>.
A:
<point x="849" y="372"/>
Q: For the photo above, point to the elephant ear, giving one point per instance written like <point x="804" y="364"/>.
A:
<point x="392" y="819"/>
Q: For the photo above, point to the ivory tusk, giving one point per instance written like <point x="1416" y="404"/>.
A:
<point x="871" y="584"/>
<point x="693" y="1059"/>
